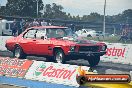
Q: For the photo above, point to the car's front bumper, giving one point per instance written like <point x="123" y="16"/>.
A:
<point x="101" y="53"/>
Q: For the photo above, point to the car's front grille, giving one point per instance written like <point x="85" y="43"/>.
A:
<point x="89" y="48"/>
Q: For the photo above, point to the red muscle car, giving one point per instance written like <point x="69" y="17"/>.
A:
<point x="57" y="44"/>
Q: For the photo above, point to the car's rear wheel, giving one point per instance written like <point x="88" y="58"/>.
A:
<point x="93" y="60"/>
<point x="18" y="53"/>
<point x="59" y="56"/>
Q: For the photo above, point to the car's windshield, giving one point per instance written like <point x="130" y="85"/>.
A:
<point x="59" y="32"/>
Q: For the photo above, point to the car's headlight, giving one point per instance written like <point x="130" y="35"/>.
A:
<point x="104" y="48"/>
<point x="72" y="48"/>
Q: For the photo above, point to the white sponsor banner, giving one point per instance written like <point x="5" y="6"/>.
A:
<point x="54" y="73"/>
<point x="118" y="53"/>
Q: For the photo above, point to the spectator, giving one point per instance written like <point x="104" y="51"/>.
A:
<point x="35" y="23"/>
<point x="50" y="22"/>
<point x="14" y="28"/>
<point x="124" y="35"/>
<point x="26" y="25"/>
<point x="43" y="23"/>
<point x="22" y="23"/>
<point x="30" y="24"/>
<point x="130" y="34"/>
<point x="39" y="21"/>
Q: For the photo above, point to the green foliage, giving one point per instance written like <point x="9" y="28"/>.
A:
<point x="28" y="8"/>
<point x="93" y="17"/>
<point x="24" y="8"/>
<point x="54" y="11"/>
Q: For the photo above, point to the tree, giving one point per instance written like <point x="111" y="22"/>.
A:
<point x="48" y="11"/>
<point x="25" y="8"/>
<point x="69" y="16"/>
<point x="93" y="17"/>
<point x="54" y="11"/>
<point x="2" y="10"/>
<point x="127" y="13"/>
<point x="78" y="17"/>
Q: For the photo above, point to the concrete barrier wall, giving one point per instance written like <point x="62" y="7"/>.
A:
<point x="13" y="67"/>
<point x="54" y="73"/>
<point x="41" y="71"/>
<point x="118" y="53"/>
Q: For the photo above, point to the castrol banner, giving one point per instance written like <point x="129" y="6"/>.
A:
<point x="118" y="53"/>
<point x="54" y="73"/>
<point x="14" y="67"/>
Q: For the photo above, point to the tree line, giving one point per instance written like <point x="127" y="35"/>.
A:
<point x="28" y="8"/>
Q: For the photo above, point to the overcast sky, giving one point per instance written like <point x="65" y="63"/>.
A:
<point x="85" y="7"/>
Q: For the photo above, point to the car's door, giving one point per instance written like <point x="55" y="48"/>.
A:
<point x="42" y="43"/>
<point x="28" y="42"/>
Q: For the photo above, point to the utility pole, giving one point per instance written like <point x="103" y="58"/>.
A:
<point x="104" y="19"/>
<point x="37" y="7"/>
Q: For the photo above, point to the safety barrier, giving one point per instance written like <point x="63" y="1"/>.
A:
<point x="38" y="70"/>
<point x="54" y="73"/>
<point x="43" y="71"/>
<point x="13" y="67"/>
<point x="118" y="53"/>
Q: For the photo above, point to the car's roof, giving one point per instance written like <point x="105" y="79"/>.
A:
<point x="48" y="27"/>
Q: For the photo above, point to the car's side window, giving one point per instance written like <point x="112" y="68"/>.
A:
<point x="30" y="34"/>
<point x="40" y="34"/>
<point x="54" y="33"/>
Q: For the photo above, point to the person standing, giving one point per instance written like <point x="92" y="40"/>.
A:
<point x="35" y="23"/>
<point x="22" y="23"/>
<point x="14" y="28"/>
<point x="43" y="23"/>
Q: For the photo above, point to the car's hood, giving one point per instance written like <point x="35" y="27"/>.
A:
<point x="75" y="41"/>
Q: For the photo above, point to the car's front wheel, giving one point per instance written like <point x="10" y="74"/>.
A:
<point x="93" y="60"/>
<point x="18" y="53"/>
<point x="59" y="56"/>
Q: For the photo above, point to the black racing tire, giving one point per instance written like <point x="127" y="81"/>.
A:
<point x="59" y="56"/>
<point x="81" y="80"/>
<point x="93" y="60"/>
<point x="18" y="53"/>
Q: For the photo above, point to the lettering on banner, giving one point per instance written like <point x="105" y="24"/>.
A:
<point x="54" y="72"/>
<point x="12" y="71"/>
<point x="14" y="67"/>
<point x="11" y="62"/>
<point x="116" y="52"/>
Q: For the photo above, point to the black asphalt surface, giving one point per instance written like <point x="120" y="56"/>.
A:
<point x="102" y="68"/>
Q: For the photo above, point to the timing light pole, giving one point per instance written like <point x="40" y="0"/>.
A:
<point x="104" y="19"/>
